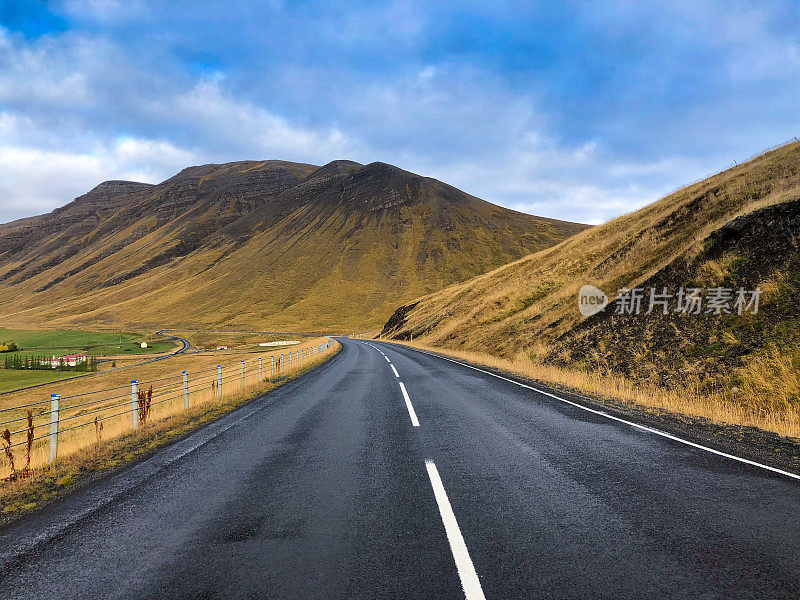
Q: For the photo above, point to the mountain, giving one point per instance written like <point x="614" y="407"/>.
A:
<point x="737" y="229"/>
<point x="256" y="244"/>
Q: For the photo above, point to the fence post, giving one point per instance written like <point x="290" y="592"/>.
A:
<point x="185" y="389"/>
<point x="135" y="403"/>
<point x="260" y="370"/>
<point x="272" y="366"/>
<point x="219" y="381"/>
<point x="55" y="401"/>
<point x="242" y="373"/>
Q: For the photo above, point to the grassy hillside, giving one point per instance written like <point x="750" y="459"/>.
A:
<point x="737" y="229"/>
<point x="264" y="245"/>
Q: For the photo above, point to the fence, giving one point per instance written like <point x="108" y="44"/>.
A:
<point x="59" y="425"/>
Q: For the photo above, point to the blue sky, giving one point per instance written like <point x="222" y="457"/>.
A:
<point x="574" y="110"/>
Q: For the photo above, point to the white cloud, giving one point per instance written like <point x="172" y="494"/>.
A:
<point x="105" y="11"/>
<point x="37" y="180"/>
<point x="207" y="108"/>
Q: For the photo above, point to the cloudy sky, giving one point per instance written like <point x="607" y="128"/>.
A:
<point x="580" y="111"/>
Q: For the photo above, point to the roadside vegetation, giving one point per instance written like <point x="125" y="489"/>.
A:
<point x="719" y="407"/>
<point x="108" y="440"/>
<point x="13" y="380"/>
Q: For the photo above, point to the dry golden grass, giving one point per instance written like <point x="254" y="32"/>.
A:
<point x="107" y="396"/>
<point x="782" y="417"/>
<point x="533" y="300"/>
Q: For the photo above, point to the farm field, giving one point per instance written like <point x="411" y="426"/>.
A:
<point x="38" y="342"/>
<point x="121" y="346"/>
<point x="13" y="379"/>
<point x="107" y="396"/>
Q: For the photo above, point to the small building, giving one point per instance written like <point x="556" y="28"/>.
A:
<point x="222" y="347"/>
<point x="70" y="360"/>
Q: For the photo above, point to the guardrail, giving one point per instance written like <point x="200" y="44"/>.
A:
<point x="114" y="410"/>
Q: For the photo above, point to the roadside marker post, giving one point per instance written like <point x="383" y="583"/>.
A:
<point x="272" y="366"/>
<point x="185" y="390"/>
<point x="219" y="381"/>
<point x="260" y="369"/>
<point x="242" y="373"/>
<point x="55" y="401"/>
<point x="281" y="365"/>
<point x="135" y="403"/>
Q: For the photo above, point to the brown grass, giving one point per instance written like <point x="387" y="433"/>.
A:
<point x="722" y="407"/>
<point x="160" y="397"/>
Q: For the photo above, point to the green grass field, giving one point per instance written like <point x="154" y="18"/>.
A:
<point x="58" y="342"/>
<point x="14" y="380"/>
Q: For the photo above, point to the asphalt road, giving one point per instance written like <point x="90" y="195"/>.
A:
<point x="326" y="489"/>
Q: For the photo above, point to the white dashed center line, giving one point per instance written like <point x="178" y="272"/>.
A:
<point x="396" y="374"/>
<point x="466" y="570"/>
<point x="409" y="406"/>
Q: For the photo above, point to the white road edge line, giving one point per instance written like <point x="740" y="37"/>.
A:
<point x="396" y="374"/>
<point x="466" y="570"/>
<point x="411" y="412"/>
<point x="631" y="423"/>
